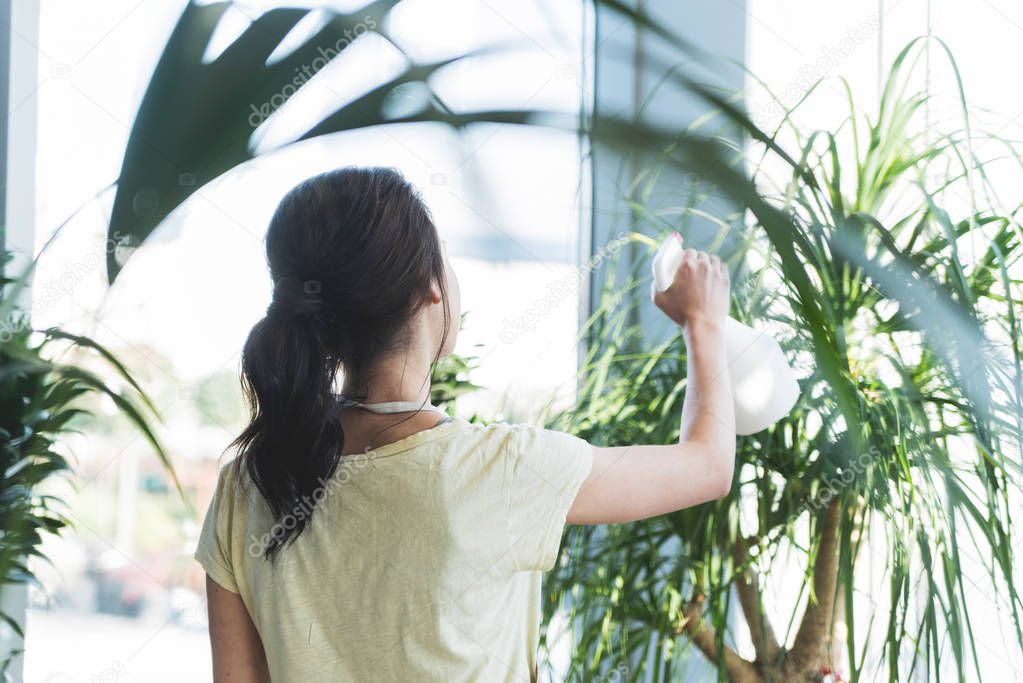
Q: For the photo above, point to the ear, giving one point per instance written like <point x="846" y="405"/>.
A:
<point x="435" y="296"/>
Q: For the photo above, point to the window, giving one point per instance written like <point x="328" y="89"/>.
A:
<point x="123" y="598"/>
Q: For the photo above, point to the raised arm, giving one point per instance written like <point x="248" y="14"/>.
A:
<point x="628" y="483"/>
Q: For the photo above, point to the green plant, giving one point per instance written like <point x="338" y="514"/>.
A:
<point x="198" y="119"/>
<point x="42" y="383"/>
<point x="451" y="380"/>
<point x="902" y="452"/>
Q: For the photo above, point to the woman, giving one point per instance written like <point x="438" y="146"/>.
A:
<point x="366" y="536"/>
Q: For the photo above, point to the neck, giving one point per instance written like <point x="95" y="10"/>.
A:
<point x="405" y="377"/>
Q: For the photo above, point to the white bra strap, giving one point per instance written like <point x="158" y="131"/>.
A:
<point x="391" y="406"/>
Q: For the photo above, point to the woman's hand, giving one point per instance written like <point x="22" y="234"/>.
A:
<point x="698" y="293"/>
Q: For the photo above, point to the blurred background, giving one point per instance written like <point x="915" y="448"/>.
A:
<point x="520" y="210"/>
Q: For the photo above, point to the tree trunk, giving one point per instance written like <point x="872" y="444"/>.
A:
<point x="815" y="650"/>
<point x="810" y="651"/>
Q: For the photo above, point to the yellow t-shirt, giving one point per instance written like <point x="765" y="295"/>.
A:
<point x="421" y="562"/>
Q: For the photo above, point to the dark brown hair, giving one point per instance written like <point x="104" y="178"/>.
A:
<point x="352" y="254"/>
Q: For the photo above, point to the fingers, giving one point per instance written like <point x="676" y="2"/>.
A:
<point x="712" y="260"/>
<point x="697" y="261"/>
<point x="694" y="257"/>
<point x="719" y="266"/>
<point x="701" y="262"/>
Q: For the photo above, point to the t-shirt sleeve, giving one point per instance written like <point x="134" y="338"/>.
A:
<point x="545" y="471"/>
<point x="214" y="548"/>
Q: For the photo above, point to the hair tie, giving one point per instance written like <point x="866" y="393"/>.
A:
<point x="294" y="297"/>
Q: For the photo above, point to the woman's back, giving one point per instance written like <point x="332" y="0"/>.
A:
<point x="422" y="561"/>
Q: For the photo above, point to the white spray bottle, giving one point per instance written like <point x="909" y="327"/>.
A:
<point x="763" y="385"/>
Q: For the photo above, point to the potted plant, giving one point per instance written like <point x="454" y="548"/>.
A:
<point x="43" y="380"/>
<point x="902" y="452"/>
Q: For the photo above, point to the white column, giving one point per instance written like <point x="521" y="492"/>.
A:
<point x="628" y="66"/>
<point x="22" y="80"/>
<point x="19" y="83"/>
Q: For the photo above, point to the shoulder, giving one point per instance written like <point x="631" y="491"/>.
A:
<point x="488" y="432"/>
<point x="503" y="429"/>
<point x="536" y="437"/>
<point x="233" y="482"/>
<point x="493" y="442"/>
<point x="517" y="431"/>
<point x="528" y="442"/>
<point x="508" y="435"/>
<point x="231" y="474"/>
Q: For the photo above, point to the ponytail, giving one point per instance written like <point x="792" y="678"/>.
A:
<point x="294" y="439"/>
